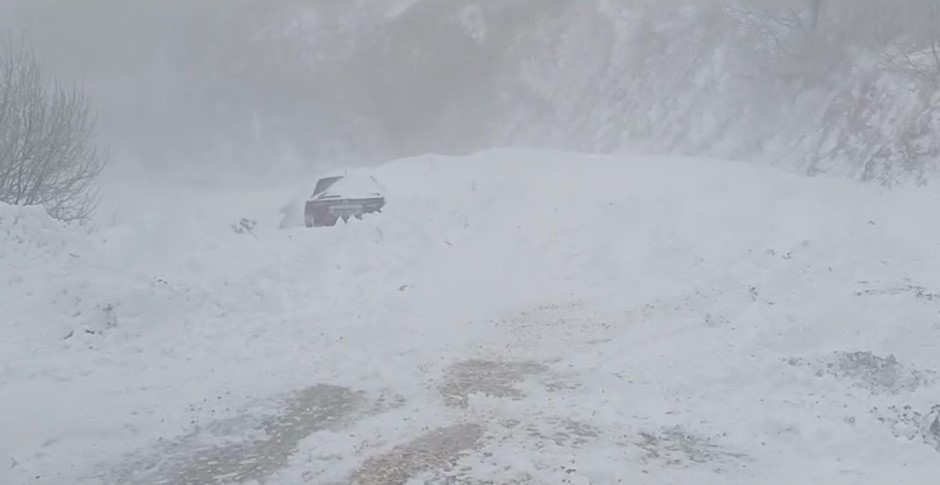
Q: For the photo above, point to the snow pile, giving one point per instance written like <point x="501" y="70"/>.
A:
<point x="37" y="254"/>
<point x="61" y="293"/>
<point x="28" y="232"/>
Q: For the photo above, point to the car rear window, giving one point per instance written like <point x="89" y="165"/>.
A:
<point x="323" y="184"/>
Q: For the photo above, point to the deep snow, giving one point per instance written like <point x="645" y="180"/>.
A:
<point x="511" y="317"/>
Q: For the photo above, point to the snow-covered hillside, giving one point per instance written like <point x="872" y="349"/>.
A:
<point x="512" y="317"/>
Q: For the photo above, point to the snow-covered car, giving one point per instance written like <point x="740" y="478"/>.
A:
<point x="342" y="195"/>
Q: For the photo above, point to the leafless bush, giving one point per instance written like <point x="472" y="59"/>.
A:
<point x="917" y="52"/>
<point x="47" y="156"/>
<point x="245" y="226"/>
<point x="798" y="38"/>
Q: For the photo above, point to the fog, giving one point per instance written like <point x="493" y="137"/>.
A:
<point x="258" y="85"/>
<point x="263" y="87"/>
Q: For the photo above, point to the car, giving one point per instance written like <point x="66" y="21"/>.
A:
<point x="341" y="195"/>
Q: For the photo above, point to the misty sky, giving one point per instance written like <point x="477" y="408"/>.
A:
<point x="285" y="84"/>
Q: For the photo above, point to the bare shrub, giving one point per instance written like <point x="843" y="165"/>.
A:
<point x="245" y="226"/>
<point x="917" y="52"/>
<point x="798" y="39"/>
<point x="47" y="156"/>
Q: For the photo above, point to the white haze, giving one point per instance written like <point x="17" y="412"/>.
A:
<point x="261" y="87"/>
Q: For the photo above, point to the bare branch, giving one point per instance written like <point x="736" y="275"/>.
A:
<point x="47" y="156"/>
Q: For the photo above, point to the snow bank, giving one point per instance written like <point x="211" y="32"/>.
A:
<point x="37" y="254"/>
<point x="29" y="229"/>
<point x="62" y="294"/>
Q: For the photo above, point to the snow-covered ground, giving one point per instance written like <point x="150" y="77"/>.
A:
<point x="512" y="317"/>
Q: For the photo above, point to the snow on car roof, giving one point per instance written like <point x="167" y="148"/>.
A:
<point x="334" y="173"/>
<point x="346" y="172"/>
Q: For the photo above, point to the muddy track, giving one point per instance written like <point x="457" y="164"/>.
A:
<point x="188" y="462"/>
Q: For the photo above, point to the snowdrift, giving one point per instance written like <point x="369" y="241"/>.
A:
<point x="60" y="293"/>
<point x="660" y="320"/>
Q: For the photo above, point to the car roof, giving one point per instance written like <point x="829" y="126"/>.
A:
<point x="347" y="172"/>
<point x="334" y="174"/>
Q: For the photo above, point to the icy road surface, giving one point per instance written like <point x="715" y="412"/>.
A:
<point x="512" y="317"/>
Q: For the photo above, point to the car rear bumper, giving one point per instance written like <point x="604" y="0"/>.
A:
<point x="335" y="208"/>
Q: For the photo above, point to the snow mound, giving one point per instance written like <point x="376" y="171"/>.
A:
<point x="30" y="231"/>
<point x="58" y="290"/>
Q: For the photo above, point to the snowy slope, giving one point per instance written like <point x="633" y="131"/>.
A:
<point x="512" y="317"/>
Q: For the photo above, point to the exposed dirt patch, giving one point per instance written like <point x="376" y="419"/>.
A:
<point x="547" y="325"/>
<point x="884" y="376"/>
<point x="879" y="375"/>
<point x="492" y="378"/>
<point x="906" y="288"/>
<point x="436" y="450"/>
<point x="248" y="448"/>
<point x="912" y="424"/>
<point x="676" y="446"/>
<point x="564" y="432"/>
<point x="575" y="433"/>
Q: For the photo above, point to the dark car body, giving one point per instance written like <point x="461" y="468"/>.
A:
<point x="341" y="197"/>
